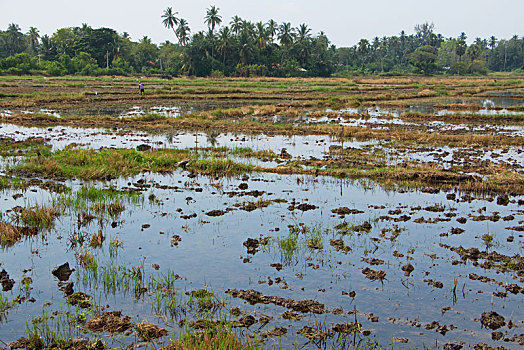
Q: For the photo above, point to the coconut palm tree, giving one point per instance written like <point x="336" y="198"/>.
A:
<point x="236" y="24"/>
<point x="286" y="34"/>
<point x="212" y="19"/>
<point x="303" y="32"/>
<point x="182" y="32"/>
<point x="170" y="20"/>
<point x="272" y="29"/>
<point x="492" y="42"/>
<point x="33" y="36"/>
<point x="225" y="42"/>
<point x="261" y="35"/>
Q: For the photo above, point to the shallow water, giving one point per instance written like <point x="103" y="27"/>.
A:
<point x="212" y="245"/>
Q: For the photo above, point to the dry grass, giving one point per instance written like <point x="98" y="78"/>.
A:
<point x="10" y="234"/>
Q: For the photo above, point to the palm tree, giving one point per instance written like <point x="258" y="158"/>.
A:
<point x="182" y="32"/>
<point x="303" y="32"/>
<point x="15" y="39"/>
<point x="492" y="42"/>
<point x="236" y="25"/>
<point x="261" y="35"/>
<point x="170" y="20"/>
<point x="33" y="36"/>
<point x="272" y="29"/>
<point x="225" y="41"/>
<point x="212" y="19"/>
<point x="285" y="34"/>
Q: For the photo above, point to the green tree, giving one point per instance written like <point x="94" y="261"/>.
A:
<point x="423" y="59"/>
<point x="33" y="36"/>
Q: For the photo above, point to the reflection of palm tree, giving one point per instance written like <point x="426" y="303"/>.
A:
<point x="212" y="138"/>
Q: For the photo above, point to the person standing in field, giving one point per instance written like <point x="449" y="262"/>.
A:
<point x="141" y="88"/>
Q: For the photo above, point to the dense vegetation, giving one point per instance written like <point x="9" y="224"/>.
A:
<point x="243" y="48"/>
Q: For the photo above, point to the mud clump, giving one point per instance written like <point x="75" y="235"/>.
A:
<point x="408" y="269"/>
<point x="373" y="261"/>
<point x="246" y="321"/>
<point x="175" y="240"/>
<point x="290" y="315"/>
<point x="20" y="343"/>
<point x="67" y="288"/>
<point x="275" y="332"/>
<point x="243" y="186"/>
<point x="277" y="266"/>
<point x="79" y="299"/>
<point x="436" y="284"/>
<point x="143" y="147"/>
<point x="347" y="328"/>
<point x="7" y="283"/>
<point x="62" y="272"/>
<point x="365" y="227"/>
<point x="503" y="200"/>
<point x="452" y="346"/>
<point x="314" y="333"/>
<point x="253" y="297"/>
<point x="339" y="246"/>
<point x="492" y="320"/>
<point x="149" y="331"/>
<point x="111" y="322"/>
<point x="215" y="213"/>
<point x="497" y="335"/>
<point x="343" y="211"/>
<point x="252" y="244"/>
<point x="306" y="207"/>
<point x="374" y="275"/>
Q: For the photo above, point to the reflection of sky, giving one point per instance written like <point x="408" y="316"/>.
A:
<point x="211" y="249"/>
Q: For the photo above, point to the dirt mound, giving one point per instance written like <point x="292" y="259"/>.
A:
<point x="150" y="331"/>
<point x="492" y="320"/>
<point x="342" y="211"/>
<point x="374" y="275"/>
<point x="253" y="297"/>
<point x="80" y="299"/>
<point x="62" y="272"/>
<point x="7" y="283"/>
<point x="111" y="322"/>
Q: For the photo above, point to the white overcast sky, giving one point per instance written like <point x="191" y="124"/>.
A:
<point x="344" y="21"/>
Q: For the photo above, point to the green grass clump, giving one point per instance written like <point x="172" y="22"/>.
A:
<point x="38" y="216"/>
<point x="30" y="147"/>
<point x="112" y="163"/>
<point x="219" y="337"/>
<point x="12" y="183"/>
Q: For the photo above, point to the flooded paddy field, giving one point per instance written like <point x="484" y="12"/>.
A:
<point x="290" y="214"/>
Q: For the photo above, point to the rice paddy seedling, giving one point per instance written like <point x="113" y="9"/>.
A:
<point x="4" y="303"/>
<point x="219" y="337"/>
<point x="12" y="183"/>
<point x="37" y="216"/>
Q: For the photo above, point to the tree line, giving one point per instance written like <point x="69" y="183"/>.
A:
<point x="244" y="48"/>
